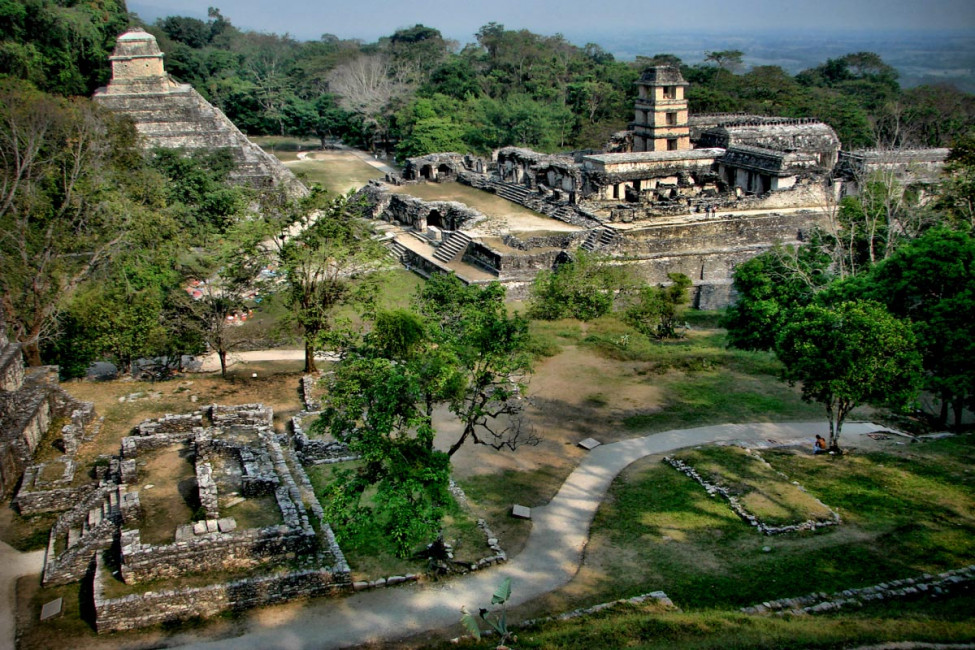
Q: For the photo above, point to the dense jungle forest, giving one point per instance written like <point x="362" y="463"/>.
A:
<point x="414" y="92"/>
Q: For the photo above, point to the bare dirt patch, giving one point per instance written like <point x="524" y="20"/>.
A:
<point x="168" y="492"/>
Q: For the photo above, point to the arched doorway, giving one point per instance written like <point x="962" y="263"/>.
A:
<point x="435" y="219"/>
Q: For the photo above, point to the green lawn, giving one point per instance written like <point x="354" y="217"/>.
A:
<point x="905" y="512"/>
<point x="762" y="491"/>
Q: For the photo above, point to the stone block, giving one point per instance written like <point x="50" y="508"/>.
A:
<point x="51" y="609"/>
<point x="200" y="528"/>
<point x="227" y="524"/>
<point x="211" y="525"/>
<point x="589" y="444"/>
<point x="521" y="512"/>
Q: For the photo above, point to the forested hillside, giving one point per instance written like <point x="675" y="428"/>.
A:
<point x="415" y="92"/>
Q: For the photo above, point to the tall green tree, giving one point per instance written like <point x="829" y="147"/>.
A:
<point x="657" y="311"/>
<point x="850" y="354"/>
<point x="931" y="283"/>
<point x="328" y="258"/>
<point x="74" y="193"/>
<point x="460" y="350"/>
<point x="768" y="288"/>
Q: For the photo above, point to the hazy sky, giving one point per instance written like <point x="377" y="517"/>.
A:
<point x="460" y="19"/>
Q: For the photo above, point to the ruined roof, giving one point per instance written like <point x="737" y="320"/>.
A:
<point x="768" y="161"/>
<point x="781" y="134"/>
<point x="136" y="43"/>
<point x="662" y="75"/>
<point x="899" y="155"/>
<point x="654" y="156"/>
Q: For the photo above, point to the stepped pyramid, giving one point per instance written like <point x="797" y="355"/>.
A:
<point x="171" y="115"/>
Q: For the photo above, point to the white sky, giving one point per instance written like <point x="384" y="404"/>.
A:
<point x="460" y="19"/>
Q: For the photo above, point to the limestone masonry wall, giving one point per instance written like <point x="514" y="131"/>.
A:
<point x="150" y="608"/>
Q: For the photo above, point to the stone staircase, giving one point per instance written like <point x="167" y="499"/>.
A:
<point x="452" y="247"/>
<point x="396" y="250"/>
<point x="107" y="508"/>
<point x="85" y="529"/>
<point x="599" y="238"/>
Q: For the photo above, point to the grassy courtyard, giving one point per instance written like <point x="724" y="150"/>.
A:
<point x="905" y="511"/>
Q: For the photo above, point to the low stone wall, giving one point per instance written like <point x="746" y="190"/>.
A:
<point x="740" y="510"/>
<point x="317" y="452"/>
<point x="214" y="551"/>
<point x="151" y="608"/>
<point x="132" y="446"/>
<point x="171" y="424"/>
<point x="245" y="415"/>
<point x="56" y="500"/>
<point x="75" y="432"/>
<point x="307" y="388"/>
<point x="207" y="488"/>
<point x="819" y="603"/>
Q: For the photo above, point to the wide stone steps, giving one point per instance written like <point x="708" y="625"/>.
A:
<point x="453" y="246"/>
<point x="396" y="250"/>
<point x="599" y="238"/>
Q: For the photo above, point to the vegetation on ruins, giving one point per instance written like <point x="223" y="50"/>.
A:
<point x="847" y="355"/>
<point x="584" y="288"/>
<point x="459" y="349"/>
<point x="78" y="199"/>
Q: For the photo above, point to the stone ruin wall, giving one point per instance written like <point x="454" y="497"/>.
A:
<point x="170" y="605"/>
<point x="221" y="546"/>
<point x="411" y="211"/>
<point x="216" y="551"/>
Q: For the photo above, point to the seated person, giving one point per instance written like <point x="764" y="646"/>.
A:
<point x="819" y="447"/>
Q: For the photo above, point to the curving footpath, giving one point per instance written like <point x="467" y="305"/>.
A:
<point x="550" y="559"/>
<point x="14" y="565"/>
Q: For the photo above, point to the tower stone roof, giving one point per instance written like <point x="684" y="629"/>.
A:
<point x="136" y="43"/>
<point x="662" y="75"/>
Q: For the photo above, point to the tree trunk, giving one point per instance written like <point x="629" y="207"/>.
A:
<point x="222" y="354"/>
<point x="310" y="358"/>
<point x="959" y="408"/>
<point x="32" y="353"/>
<point x="943" y="415"/>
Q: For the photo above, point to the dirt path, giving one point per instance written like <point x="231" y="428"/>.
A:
<point x="551" y="558"/>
